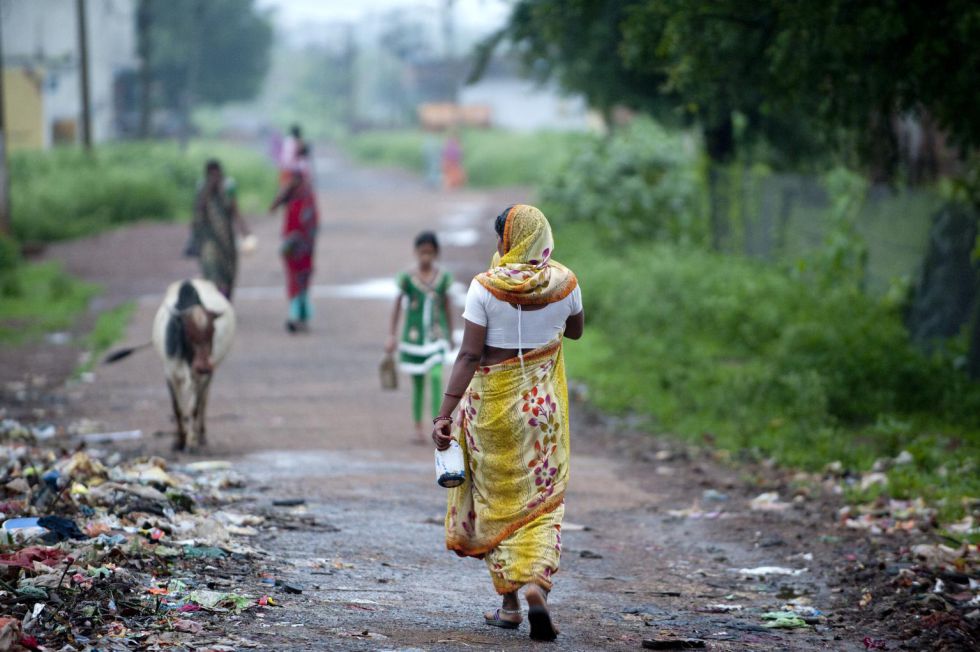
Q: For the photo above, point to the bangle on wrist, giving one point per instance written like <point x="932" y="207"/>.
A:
<point x="452" y="395"/>
<point x="438" y="419"/>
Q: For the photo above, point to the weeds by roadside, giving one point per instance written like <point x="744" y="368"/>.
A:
<point x="64" y="193"/>
<point x="110" y="327"/>
<point x="39" y="298"/>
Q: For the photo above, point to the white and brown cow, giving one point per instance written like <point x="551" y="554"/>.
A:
<point x="192" y="332"/>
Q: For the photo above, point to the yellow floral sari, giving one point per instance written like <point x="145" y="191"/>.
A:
<point x="513" y="428"/>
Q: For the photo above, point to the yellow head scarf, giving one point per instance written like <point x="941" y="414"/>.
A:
<point x="526" y="274"/>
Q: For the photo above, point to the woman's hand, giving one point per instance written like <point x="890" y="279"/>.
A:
<point x="391" y="345"/>
<point x="442" y="434"/>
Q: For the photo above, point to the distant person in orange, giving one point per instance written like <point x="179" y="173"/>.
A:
<point x="453" y="174"/>
<point x="289" y="155"/>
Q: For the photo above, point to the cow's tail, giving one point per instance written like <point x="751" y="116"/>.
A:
<point x="119" y="354"/>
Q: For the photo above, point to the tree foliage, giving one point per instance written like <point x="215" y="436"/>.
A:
<point x="204" y="52"/>
<point x="805" y="77"/>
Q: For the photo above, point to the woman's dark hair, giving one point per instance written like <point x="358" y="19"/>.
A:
<point x="427" y="238"/>
<point x="296" y="131"/>
<point x="501" y="222"/>
<point x="212" y="164"/>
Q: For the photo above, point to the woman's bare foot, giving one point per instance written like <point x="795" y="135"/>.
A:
<point x="419" y="435"/>
<point x="509" y="614"/>
<point x="542" y="629"/>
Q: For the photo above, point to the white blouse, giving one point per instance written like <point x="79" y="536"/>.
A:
<point x="510" y="328"/>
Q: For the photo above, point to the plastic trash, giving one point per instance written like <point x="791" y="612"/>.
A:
<point x="208" y="465"/>
<point x="203" y="552"/>
<point x="762" y="571"/>
<point x="713" y="495"/>
<point x="783" y="620"/>
<point x="10" y="633"/>
<point x="449" y="466"/>
<point x="673" y="644"/>
<point x="768" y="502"/>
<point x="110" y="437"/>
<point x="21" y="530"/>
<point x="59" y="529"/>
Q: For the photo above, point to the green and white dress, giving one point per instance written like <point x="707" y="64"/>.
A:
<point x="425" y="337"/>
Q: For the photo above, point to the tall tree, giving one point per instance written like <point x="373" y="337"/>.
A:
<point x="204" y="51"/>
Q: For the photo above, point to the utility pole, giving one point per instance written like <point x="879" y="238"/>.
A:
<point x="350" y="69"/>
<point x="144" y="20"/>
<point x="83" y="77"/>
<point x="6" y="227"/>
<point x="449" y="43"/>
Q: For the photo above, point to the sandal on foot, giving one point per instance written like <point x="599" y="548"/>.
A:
<point x="497" y="621"/>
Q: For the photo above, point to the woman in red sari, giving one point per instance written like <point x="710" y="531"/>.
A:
<point x="299" y="228"/>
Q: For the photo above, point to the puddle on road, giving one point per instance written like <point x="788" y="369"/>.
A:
<point x="276" y="465"/>
<point x="459" y="238"/>
<point x="458" y="224"/>
<point x="462" y="215"/>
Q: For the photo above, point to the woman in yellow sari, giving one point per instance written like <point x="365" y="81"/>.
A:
<point x="512" y="424"/>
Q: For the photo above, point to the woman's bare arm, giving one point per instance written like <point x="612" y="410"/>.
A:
<point x="575" y="326"/>
<point x="237" y="218"/>
<point x="470" y="354"/>
<point x="283" y="196"/>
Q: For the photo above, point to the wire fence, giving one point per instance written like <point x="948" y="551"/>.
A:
<point x="784" y="217"/>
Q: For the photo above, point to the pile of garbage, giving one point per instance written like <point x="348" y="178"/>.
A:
<point x="935" y="586"/>
<point x="101" y="551"/>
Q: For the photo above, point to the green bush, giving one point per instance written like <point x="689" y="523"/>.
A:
<point x="10" y="260"/>
<point x="643" y="182"/>
<point x="65" y="193"/>
<point x="708" y="343"/>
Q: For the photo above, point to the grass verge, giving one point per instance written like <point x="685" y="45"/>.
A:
<point x="40" y="298"/>
<point x="110" y="327"/>
<point x="742" y="356"/>
<point x="64" y="193"/>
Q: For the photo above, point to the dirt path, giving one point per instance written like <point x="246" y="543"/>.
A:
<point x="304" y="417"/>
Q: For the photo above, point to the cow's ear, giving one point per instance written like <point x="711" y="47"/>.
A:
<point x="214" y="315"/>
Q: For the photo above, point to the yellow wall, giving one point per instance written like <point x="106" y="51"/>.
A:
<point x="22" y="109"/>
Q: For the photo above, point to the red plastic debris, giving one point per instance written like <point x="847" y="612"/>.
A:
<point x="26" y="557"/>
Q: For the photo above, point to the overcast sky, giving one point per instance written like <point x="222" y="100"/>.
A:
<point x="472" y="15"/>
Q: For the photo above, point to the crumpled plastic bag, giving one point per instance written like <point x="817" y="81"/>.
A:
<point x="9" y="633"/>
<point x="25" y="557"/>
<point x="220" y="600"/>
<point x="783" y="620"/>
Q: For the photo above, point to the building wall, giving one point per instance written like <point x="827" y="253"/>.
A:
<point x="523" y="105"/>
<point x="40" y="37"/>
<point x="23" y="115"/>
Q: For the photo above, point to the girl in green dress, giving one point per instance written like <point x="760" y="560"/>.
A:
<point x="427" y="332"/>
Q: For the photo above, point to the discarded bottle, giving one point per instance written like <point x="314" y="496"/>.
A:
<point x="449" y="466"/>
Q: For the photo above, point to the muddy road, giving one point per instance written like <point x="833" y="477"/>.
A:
<point x="655" y="538"/>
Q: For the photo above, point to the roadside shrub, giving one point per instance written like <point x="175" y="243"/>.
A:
<point x="65" y="193"/>
<point x="10" y="260"/>
<point x="642" y="183"/>
<point x="709" y="343"/>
